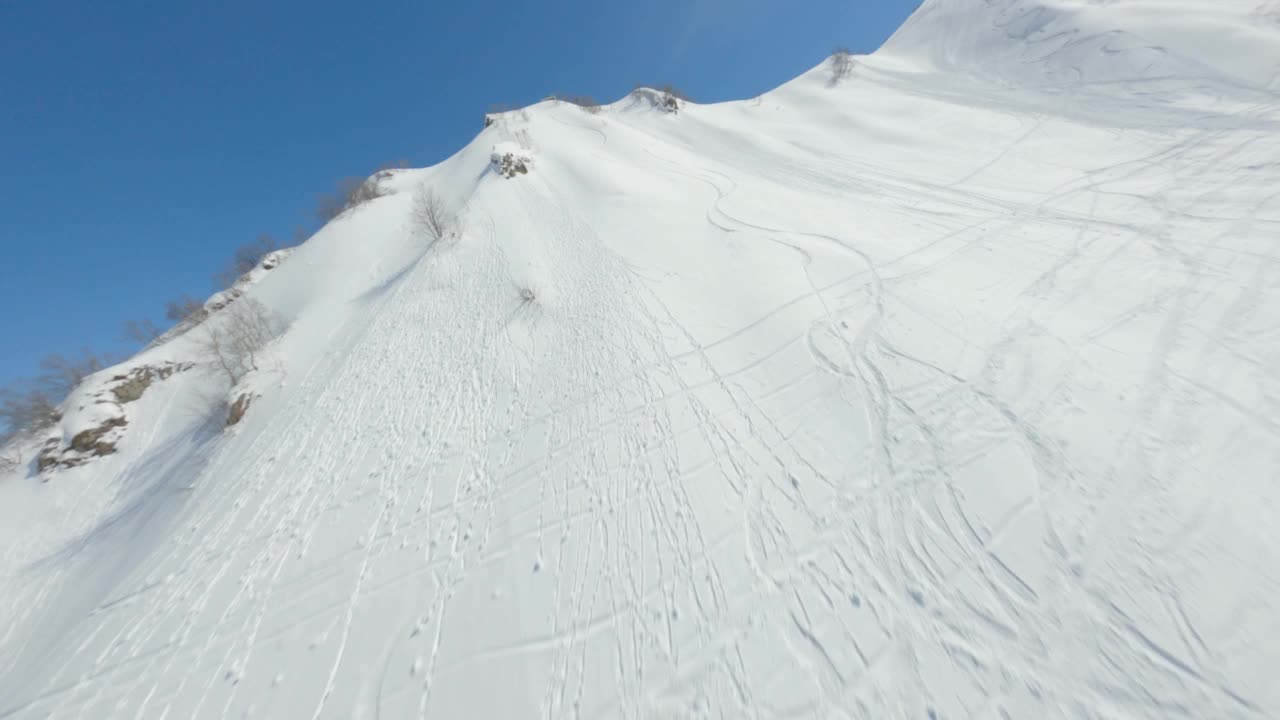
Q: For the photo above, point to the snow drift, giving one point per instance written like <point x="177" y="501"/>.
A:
<point x="944" y="389"/>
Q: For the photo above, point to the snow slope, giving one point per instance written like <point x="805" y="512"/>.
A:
<point x="946" y="390"/>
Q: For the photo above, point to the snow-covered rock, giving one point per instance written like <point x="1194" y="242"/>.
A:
<point x="510" y="159"/>
<point x="93" y="417"/>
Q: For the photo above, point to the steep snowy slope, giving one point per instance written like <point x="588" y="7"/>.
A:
<point x="948" y="389"/>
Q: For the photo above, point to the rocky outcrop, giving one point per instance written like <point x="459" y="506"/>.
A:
<point x="96" y="426"/>
<point x="238" y="408"/>
<point x="95" y="438"/>
<point x="48" y="455"/>
<point x="93" y="441"/>
<point x="510" y="165"/>
<point x="668" y="99"/>
<point x="510" y="160"/>
<point x="132" y="385"/>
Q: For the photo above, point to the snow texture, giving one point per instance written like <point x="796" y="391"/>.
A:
<point x="947" y="390"/>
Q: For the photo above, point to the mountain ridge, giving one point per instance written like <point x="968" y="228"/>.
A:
<point x="936" y="390"/>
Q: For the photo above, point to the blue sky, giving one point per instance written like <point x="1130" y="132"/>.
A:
<point x="141" y="142"/>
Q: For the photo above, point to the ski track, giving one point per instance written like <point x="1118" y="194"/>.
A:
<point x="618" y="508"/>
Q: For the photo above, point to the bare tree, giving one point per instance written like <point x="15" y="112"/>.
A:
<point x="433" y="215"/>
<point x="841" y="64"/>
<point x="182" y="308"/>
<point x="675" y="92"/>
<point x="142" y="331"/>
<point x="30" y="406"/>
<point x="352" y="193"/>
<point x="233" y="339"/>
<point x="60" y="375"/>
<point x="386" y="170"/>
<point x="586" y="102"/>
<point x="246" y="258"/>
<point x="25" y="410"/>
<point x="10" y="460"/>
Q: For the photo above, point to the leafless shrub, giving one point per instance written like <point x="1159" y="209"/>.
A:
<point x="30" y="406"/>
<point x="142" y="332"/>
<point x="841" y="64"/>
<point x="500" y="112"/>
<point x="59" y="375"/>
<point x="433" y="215"/>
<point x="352" y="192"/>
<point x="675" y="92"/>
<point x="527" y="305"/>
<point x="246" y="258"/>
<point x="183" y="308"/>
<point x="384" y="170"/>
<point x="495" y="113"/>
<point x="233" y="339"/>
<point x="25" y="410"/>
<point x="586" y="102"/>
<point x="10" y="460"/>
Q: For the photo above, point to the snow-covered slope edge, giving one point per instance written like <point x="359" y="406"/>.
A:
<point x="855" y="399"/>
<point x="1059" y="43"/>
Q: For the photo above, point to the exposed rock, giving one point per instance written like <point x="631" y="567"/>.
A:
<point x="91" y="440"/>
<point x="133" y="386"/>
<point x="238" y="409"/>
<point x="272" y="260"/>
<point x="103" y="410"/>
<point x="219" y="300"/>
<point x="668" y="99"/>
<point x="511" y="165"/>
<point x="136" y="382"/>
<point x="510" y="159"/>
<point x="48" y="456"/>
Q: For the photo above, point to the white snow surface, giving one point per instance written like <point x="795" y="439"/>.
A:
<point x="951" y="389"/>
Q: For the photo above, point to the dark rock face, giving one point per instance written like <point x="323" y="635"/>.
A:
<point x="90" y="441"/>
<point x="511" y="165"/>
<point x="48" y="456"/>
<point x="238" y="409"/>
<point x="136" y="383"/>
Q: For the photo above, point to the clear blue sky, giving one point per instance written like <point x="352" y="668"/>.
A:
<point x="141" y="142"/>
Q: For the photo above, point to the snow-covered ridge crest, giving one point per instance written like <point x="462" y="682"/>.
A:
<point x="1062" y="42"/>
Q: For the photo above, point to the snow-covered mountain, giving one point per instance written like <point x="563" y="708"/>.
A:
<point x="949" y="388"/>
